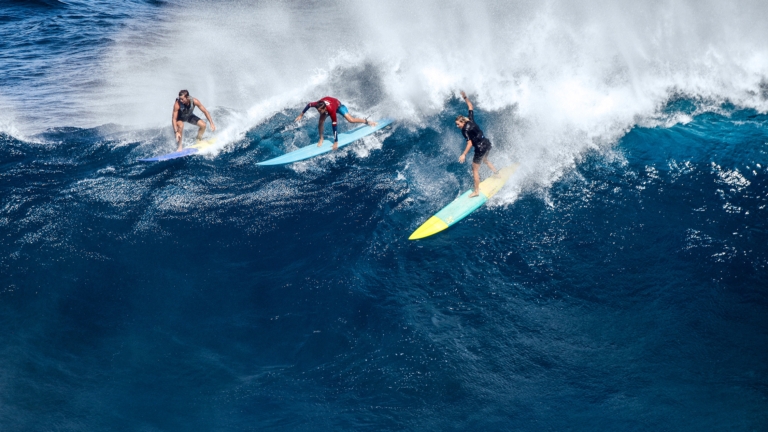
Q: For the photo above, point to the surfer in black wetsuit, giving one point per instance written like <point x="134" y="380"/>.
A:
<point x="475" y="138"/>
<point x="183" y="111"/>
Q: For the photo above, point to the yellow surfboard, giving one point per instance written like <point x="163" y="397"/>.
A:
<point x="462" y="206"/>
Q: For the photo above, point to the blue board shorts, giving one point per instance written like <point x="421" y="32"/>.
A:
<point x="342" y="110"/>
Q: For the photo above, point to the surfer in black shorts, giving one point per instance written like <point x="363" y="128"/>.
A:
<point x="183" y="111"/>
<point x="475" y="138"/>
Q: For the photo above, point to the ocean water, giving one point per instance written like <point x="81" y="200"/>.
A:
<point x="618" y="281"/>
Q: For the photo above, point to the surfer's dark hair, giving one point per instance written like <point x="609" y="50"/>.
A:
<point x="184" y="93"/>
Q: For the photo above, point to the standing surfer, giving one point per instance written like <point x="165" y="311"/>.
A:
<point x="475" y="138"/>
<point x="331" y="106"/>
<point x="183" y="111"/>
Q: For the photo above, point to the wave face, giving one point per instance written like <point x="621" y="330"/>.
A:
<point x="617" y="282"/>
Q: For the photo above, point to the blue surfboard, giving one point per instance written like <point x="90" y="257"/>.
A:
<point x="462" y="206"/>
<point x="193" y="149"/>
<point x="313" y="150"/>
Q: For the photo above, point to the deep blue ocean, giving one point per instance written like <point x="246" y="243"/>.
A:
<point x="624" y="289"/>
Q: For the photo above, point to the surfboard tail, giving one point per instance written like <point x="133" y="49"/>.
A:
<point x="190" y="150"/>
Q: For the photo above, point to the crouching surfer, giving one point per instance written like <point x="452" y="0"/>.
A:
<point x="183" y="111"/>
<point x="475" y="138"/>
<point x="329" y="106"/>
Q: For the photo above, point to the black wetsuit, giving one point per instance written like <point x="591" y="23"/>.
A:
<point x="473" y="133"/>
<point x="186" y="112"/>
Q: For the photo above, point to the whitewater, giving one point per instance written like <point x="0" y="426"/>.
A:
<point x="616" y="282"/>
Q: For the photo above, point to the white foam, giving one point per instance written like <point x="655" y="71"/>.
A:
<point x="563" y="77"/>
<point x="9" y="123"/>
<point x="732" y="178"/>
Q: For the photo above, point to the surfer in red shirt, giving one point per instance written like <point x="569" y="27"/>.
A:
<point x="331" y="106"/>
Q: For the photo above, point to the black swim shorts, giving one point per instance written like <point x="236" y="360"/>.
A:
<point x="192" y="119"/>
<point x="481" y="151"/>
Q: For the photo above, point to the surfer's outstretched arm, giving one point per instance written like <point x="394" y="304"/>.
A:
<point x="207" y="115"/>
<point x="466" y="99"/>
<point x="309" y="105"/>
<point x="319" y="105"/>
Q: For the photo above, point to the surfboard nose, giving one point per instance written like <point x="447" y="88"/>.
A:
<point x="432" y="226"/>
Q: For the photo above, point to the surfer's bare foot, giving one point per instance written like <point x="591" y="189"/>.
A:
<point x="320" y="144"/>
<point x="370" y="123"/>
<point x="178" y="149"/>
<point x="335" y="145"/>
<point x="474" y="194"/>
